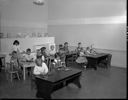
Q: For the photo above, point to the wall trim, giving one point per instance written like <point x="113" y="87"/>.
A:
<point x="98" y="20"/>
<point x="13" y="23"/>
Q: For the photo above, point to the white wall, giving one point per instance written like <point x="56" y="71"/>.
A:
<point x="23" y="16"/>
<point x="68" y="9"/>
<point x="104" y="36"/>
<point x="25" y="43"/>
<point x="98" y="22"/>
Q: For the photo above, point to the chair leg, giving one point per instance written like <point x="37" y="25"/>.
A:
<point x="7" y="75"/>
<point x="18" y="76"/>
<point x="11" y="77"/>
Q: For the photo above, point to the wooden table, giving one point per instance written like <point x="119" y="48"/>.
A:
<point x="94" y="59"/>
<point x="56" y="80"/>
<point x="26" y="65"/>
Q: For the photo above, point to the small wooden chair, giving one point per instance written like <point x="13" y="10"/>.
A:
<point x="63" y="63"/>
<point x="49" y="62"/>
<point x="9" y="69"/>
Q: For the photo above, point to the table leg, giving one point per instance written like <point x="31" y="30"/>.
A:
<point x="24" y="73"/>
<point x="0" y="64"/>
<point x="77" y="82"/>
<point x="93" y="63"/>
<point x="39" y="95"/>
<point x="44" y="89"/>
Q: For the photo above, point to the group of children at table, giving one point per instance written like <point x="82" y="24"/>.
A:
<point x="17" y="56"/>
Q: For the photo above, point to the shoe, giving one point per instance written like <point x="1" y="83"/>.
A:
<point x="28" y="73"/>
<point x="85" y="67"/>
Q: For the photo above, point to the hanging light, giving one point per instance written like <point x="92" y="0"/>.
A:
<point x="38" y="2"/>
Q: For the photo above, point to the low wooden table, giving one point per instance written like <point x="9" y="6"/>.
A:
<point x="94" y="59"/>
<point x="26" y="65"/>
<point x="56" y="80"/>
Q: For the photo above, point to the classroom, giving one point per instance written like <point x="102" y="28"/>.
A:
<point x="81" y="45"/>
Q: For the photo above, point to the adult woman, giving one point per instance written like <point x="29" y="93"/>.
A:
<point x="16" y="46"/>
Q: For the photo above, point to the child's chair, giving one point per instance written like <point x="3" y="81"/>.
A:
<point x="63" y="63"/>
<point x="10" y="71"/>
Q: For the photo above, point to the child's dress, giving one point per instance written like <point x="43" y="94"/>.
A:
<point x="81" y="58"/>
<point x="40" y="69"/>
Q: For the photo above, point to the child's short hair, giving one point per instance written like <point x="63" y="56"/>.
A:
<point x="28" y="50"/>
<point x="79" y="43"/>
<point x="37" y="61"/>
<point x="56" y="55"/>
<point x="14" y="52"/>
<point x="42" y="48"/>
<point x="87" y="48"/>
<point x="16" y="41"/>
<point x="65" y="43"/>
<point x="60" y="45"/>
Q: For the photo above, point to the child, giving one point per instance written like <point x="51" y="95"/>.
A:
<point x="52" y="50"/>
<point x="88" y="50"/>
<point x="29" y="58"/>
<point x="79" y="48"/>
<point x="14" y="62"/>
<point x="39" y="55"/>
<point x="43" y="52"/>
<point x="57" y="60"/>
<point x="66" y="47"/>
<point x="40" y="67"/>
<point x="82" y="60"/>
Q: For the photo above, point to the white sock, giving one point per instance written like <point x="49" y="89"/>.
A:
<point x="84" y="66"/>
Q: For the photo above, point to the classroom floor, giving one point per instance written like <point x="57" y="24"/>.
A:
<point x="96" y="84"/>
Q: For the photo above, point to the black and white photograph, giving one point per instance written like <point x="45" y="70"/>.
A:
<point x="63" y="49"/>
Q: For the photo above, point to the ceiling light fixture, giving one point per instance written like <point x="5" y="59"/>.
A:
<point x="38" y="2"/>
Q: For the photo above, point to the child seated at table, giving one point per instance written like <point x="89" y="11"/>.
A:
<point x="90" y="51"/>
<point x="66" y="49"/>
<point x="79" y="47"/>
<point x="52" y="50"/>
<point x="43" y="52"/>
<point x="39" y="55"/>
<point x="29" y="57"/>
<point x="82" y="60"/>
<point x="40" y="67"/>
<point x="57" y="60"/>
